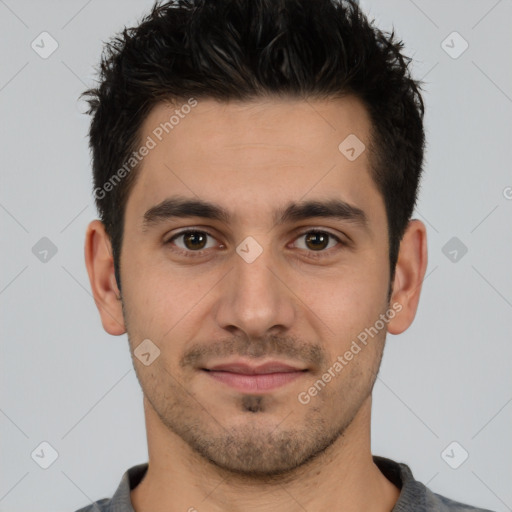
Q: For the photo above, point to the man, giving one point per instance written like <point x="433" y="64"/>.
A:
<point x="256" y="165"/>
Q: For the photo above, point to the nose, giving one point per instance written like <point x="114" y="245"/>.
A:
<point x="255" y="298"/>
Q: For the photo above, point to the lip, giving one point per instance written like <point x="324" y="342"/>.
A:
<point x="248" y="369"/>
<point x="254" y="378"/>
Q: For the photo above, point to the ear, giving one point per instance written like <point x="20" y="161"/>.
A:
<point x="100" y="267"/>
<point x="409" y="274"/>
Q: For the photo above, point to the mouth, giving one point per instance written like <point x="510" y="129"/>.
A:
<point x="254" y="378"/>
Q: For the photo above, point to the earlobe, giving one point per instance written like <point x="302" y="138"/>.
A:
<point x="100" y="267"/>
<point x="409" y="274"/>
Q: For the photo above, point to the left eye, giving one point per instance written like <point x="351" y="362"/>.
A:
<point x="318" y="240"/>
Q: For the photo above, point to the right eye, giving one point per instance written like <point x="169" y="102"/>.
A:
<point x="192" y="242"/>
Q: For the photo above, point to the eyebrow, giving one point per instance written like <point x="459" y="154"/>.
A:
<point x="182" y="207"/>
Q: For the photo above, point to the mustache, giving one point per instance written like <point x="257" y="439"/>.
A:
<point x="198" y="354"/>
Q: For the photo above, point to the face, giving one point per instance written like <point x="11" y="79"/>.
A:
<point x="255" y="255"/>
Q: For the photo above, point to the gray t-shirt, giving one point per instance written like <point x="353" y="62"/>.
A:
<point x="414" y="496"/>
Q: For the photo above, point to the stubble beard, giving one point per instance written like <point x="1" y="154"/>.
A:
<point x="257" y="449"/>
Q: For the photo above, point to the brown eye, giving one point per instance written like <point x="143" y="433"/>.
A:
<point x="192" y="241"/>
<point x="317" y="240"/>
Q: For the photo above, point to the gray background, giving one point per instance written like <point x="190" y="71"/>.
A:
<point x="65" y="381"/>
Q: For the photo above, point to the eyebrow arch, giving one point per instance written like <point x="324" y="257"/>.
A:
<point x="182" y="207"/>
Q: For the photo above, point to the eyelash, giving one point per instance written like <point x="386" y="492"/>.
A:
<point x="196" y="254"/>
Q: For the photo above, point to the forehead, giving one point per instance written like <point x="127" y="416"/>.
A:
<point x="304" y="127"/>
<point x="256" y="153"/>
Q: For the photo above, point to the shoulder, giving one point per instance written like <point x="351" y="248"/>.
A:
<point x="102" y="505"/>
<point x="414" y="495"/>
<point x="120" y="501"/>
<point x="438" y="503"/>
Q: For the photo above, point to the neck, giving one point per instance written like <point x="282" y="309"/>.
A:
<point x="344" y="477"/>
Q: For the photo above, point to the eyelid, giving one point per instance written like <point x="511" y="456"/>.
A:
<point x="305" y="231"/>
<point x="185" y="231"/>
<point x="324" y="252"/>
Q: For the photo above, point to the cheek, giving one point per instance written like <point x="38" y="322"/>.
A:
<point x="163" y="300"/>
<point x="348" y="307"/>
<point x="348" y="299"/>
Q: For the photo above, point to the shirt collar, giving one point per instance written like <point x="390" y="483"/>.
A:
<point x="411" y="491"/>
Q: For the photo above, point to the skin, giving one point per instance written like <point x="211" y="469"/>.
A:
<point x="212" y="447"/>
